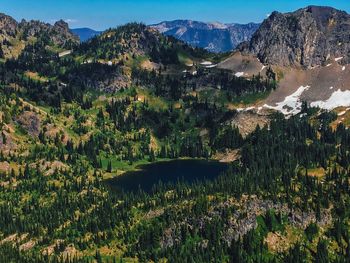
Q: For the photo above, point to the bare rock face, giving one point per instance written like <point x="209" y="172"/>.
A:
<point x="14" y="36"/>
<point x="308" y="37"/>
<point x="59" y="33"/>
<point x="30" y="121"/>
<point x="8" y="26"/>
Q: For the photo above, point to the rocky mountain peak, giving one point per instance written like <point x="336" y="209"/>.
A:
<point x="8" y="25"/>
<point x="62" y="25"/>
<point x="59" y="32"/>
<point x="308" y="37"/>
<point x="14" y="36"/>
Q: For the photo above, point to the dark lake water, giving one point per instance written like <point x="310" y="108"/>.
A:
<point x="167" y="172"/>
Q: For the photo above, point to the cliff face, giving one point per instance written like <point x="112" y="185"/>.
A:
<point x="215" y="37"/>
<point x="308" y="37"/>
<point x="14" y="36"/>
<point x="59" y="33"/>
<point x="8" y="26"/>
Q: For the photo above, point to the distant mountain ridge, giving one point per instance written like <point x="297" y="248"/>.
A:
<point x="308" y="37"/>
<point x="85" y="33"/>
<point x="215" y="36"/>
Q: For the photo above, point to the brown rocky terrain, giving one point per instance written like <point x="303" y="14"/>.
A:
<point x="30" y="121"/>
<point x="246" y="64"/>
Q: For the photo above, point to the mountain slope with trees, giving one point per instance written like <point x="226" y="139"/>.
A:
<point x="131" y="96"/>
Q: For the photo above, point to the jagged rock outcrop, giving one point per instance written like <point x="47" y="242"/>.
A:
<point x="14" y="36"/>
<point x="215" y="37"/>
<point x="308" y="37"/>
<point x="59" y="33"/>
<point x="8" y="25"/>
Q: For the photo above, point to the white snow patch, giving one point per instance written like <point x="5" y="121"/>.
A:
<point x="181" y="31"/>
<point x="337" y="59"/>
<point x="249" y="108"/>
<point x="338" y="98"/>
<point x="194" y="73"/>
<point x="331" y="88"/>
<point x="211" y="66"/>
<point x="64" y="53"/>
<point x="262" y="68"/>
<point x="218" y="25"/>
<point x="206" y="63"/>
<point x="343" y="68"/>
<point x="291" y="104"/>
<point x="239" y="74"/>
<point x="161" y="28"/>
<point x="329" y="65"/>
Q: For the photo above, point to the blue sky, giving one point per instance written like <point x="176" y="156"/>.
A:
<point x="101" y="14"/>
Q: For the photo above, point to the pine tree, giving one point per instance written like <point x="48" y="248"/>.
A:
<point x="109" y="166"/>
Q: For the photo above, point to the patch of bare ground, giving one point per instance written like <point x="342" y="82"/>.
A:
<point x="48" y="168"/>
<point x="51" y="249"/>
<point x="30" y="121"/>
<point x="278" y="242"/>
<point x="5" y="167"/>
<point x="7" y="142"/>
<point x="343" y="116"/>
<point x="11" y="238"/>
<point x="14" y="238"/>
<point x="70" y="252"/>
<point x="27" y="246"/>
<point x="228" y="156"/>
<point x="247" y="64"/>
<point x="52" y="131"/>
<point x="247" y="121"/>
<point x="316" y="172"/>
<point x="148" y="65"/>
<point x="154" y="213"/>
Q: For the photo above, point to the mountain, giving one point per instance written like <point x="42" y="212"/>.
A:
<point x="215" y="37"/>
<point x="83" y="134"/>
<point x="308" y="37"/>
<point x="137" y="43"/>
<point x="16" y="36"/>
<point x="85" y="33"/>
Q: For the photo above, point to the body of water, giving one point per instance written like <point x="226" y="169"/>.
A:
<point x="167" y="172"/>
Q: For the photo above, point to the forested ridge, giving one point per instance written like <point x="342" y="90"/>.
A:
<point x="284" y="197"/>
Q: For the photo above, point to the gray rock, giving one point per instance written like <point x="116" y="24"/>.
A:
<point x="308" y="37"/>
